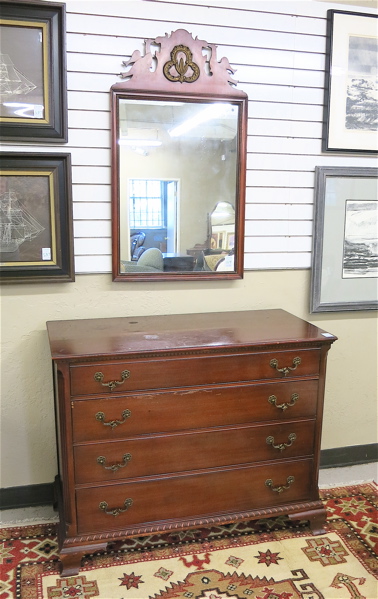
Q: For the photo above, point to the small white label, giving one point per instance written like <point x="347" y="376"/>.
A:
<point x="327" y="334"/>
<point x="46" y="253"/>
<point x="38" y="111"/>
<point x="229" y="261"/>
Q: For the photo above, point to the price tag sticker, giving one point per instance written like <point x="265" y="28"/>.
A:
<point x="38" y="111"/>
<point x="46" y="253"/>
<point x="229" y="262"/>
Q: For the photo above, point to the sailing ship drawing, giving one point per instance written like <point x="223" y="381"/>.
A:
<point x="12" y="81"/>
<point x="16" y="224"/>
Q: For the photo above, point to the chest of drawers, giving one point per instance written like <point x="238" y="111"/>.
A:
<point x="173" y="422"/>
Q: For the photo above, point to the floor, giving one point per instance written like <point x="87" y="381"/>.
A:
<point x="329" y="477"/>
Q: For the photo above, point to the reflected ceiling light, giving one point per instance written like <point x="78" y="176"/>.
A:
<point x="24" y="109"/>
<point x="211" y="112"/>
<point x="153" y="102"/>
<point x="140" y="142"/>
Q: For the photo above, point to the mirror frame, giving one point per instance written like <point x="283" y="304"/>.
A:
<point x="154" y="76"/>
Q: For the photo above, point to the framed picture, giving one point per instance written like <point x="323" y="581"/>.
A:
<point x="214" y="241"/>
<point x="36" y="240"/>
<point x="33" y="102"/>
<point x="345" y="243"/>
<point x="351" y="118"/>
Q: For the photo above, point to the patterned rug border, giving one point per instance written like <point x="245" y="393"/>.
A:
<point x="36" y="571"/>
<point x="241" y="540"/>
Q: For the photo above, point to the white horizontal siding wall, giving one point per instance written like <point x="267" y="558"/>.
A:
<point x="278" y="51"/>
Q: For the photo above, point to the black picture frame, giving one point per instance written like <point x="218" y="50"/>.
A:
<point x="36" y="230"/>
<point x="350" y="119"/>
<point x="345" y="246"/>
<point x="33" y="99"/>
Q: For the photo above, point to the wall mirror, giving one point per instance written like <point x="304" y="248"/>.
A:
<point x="178" y="164"/>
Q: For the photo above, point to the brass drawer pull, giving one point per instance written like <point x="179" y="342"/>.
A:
<point x="283" y="406"/>
<point x="282" y="446"/>
<point x="99" y="377"/>
<point x="126" y="459"/>
<point x="286" y="369"/>
<point x="117" y="510"/>
<point x="289" y="480"/>
<point x="113" y="423"/>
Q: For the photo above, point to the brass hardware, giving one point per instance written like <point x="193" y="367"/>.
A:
<point x="181" y="66"/>
<point x="113" y="423"/>
<point x="286" y="369"/>
<point x="126" y="459"/>
<point x="112" y="384"/>
<point x="282" y="446"/>
<point x="283" y="406"/>
<point x="289" y="480"/>
<point x="117" y="510"/>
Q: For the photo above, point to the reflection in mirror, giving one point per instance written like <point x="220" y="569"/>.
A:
<point x="177" y="204"/>
<point x="222" y="237"/>
<point x="176" y="162"/>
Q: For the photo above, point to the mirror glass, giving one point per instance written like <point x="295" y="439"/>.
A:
<point x="177" y="174"/>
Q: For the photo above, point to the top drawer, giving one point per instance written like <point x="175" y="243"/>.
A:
<point x="187" y="371"/>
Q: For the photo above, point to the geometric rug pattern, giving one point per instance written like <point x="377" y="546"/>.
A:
<point x="270" y="558"/>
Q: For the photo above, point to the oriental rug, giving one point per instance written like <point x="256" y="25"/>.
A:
<point x="265" y="559"/>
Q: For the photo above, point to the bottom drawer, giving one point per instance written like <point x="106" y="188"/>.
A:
<point x="202" y="494"/>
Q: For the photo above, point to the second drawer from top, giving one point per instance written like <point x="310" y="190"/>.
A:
<point x="120" y="416"/>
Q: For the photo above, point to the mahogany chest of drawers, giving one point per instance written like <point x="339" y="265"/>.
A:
<point x="173" y="422"/>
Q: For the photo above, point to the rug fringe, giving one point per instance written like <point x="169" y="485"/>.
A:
<point x="29" y="522"/>
<point x="349" y="484"/>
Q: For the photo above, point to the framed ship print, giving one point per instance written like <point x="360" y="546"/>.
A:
<point x="350" y="121"/>
<point x="36" y="240"/>
<point x="345" y="240"/>
<point x="33" y="103"/>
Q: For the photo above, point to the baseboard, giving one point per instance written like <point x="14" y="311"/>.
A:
<point x="34" y="495"/>
<point x="26" y="496"/>
<point x="349" y="456"/>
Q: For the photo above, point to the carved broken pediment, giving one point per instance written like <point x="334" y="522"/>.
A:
<point x="177" y="60"/>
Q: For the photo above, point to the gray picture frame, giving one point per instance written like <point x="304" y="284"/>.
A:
<point x="344" y="253"/>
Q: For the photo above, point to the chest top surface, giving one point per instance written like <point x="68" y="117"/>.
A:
<point x="101" y="337"/>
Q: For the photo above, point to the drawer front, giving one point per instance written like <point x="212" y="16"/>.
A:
<point x="120" y="416"/>
<point x="146" y="456"/>
<point x="119" y="377"/>
<point x="188" y="496"/>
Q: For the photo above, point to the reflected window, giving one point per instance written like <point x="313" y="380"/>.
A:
<point x="153" y="211"/>
<point x="148" y="202"/>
